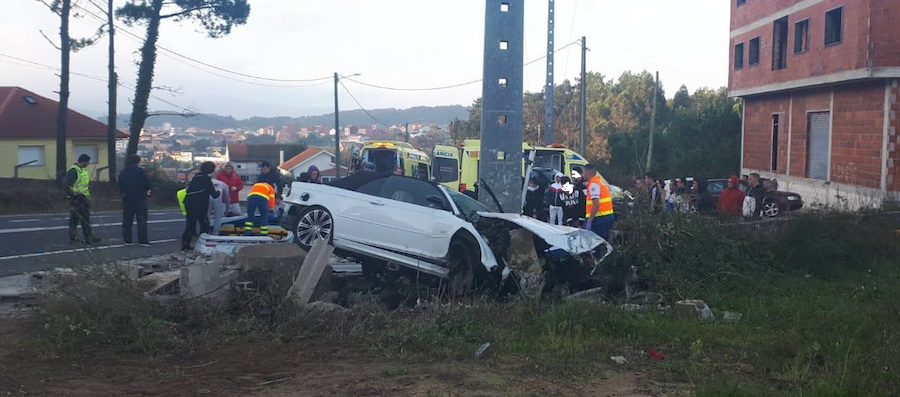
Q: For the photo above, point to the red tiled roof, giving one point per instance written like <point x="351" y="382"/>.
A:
<point x="330" y="172"/>
<point x="300" y="158"/>
<point x="261" y="152"/>
<point x="20" y="119"/>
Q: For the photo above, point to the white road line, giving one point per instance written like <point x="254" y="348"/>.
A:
<point x="42" y="229"/>
<point x="103" y="247"/>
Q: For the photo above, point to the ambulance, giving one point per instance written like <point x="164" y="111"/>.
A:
<point x="393" y="157"/>
<point x="555" y="157"/>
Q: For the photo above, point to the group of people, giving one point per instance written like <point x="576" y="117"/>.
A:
<point x="583" y="200"/>
<point x="675" y="195"/>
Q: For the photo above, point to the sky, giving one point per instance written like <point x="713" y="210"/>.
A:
<point x="395" y="43"/>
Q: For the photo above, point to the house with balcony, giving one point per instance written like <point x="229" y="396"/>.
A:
<point x="819" y="82"/>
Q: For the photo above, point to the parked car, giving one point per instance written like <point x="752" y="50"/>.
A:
<point x="774" y="204"/>
<point x="391" y="221"/>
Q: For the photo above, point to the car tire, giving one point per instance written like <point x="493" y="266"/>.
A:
<point x="461" y="265"/>
<point x="312" y="224"/>
<point x="771" y="209"/>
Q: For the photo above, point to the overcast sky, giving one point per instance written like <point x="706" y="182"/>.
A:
<point x="399" y="43"/>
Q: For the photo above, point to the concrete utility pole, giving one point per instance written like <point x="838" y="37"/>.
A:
<point x="337" y="130"/>
<point x="583" y="90"/>
<point x="652" y="122"/>
<point x="550" y="88"/>
<point x="500" y="164"/>
<point x="113" y="85"/>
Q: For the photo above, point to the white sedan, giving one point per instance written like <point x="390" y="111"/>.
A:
<point x="389" y="221"/>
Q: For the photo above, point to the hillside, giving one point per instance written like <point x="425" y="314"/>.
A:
<point x="386" y="117"/>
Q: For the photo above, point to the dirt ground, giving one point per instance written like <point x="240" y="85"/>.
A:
<point x="272" y="368"/>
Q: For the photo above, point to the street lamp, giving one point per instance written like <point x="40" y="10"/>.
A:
<point x="337" y="126"/>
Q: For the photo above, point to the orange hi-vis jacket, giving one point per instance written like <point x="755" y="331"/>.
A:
<point x="263" y="189"/>
<point x="605" y="201"/>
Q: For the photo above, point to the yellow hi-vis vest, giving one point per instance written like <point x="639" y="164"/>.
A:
<point x="82" y="181"/>
<point x="605" y="202"/>
<point x="181" y="194"/>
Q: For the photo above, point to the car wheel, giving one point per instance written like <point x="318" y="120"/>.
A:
<point x="461" y="264"/>
<point x="314" y="223"/>
<point x="771" y="209"/>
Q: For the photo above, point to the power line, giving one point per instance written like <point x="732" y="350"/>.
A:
<point x="142" y="40"/>
<point x="360" y="105"/>
<point x="451" y="85"/>
<point x="571" y="34"/>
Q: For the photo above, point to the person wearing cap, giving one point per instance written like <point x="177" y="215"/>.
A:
<point x="76" y="183"/>
<point x="554" y="201"/>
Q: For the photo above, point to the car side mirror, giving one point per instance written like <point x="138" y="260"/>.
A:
<point x="436" y="200"/>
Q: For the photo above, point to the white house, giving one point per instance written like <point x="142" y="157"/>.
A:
<point x="322" y="159"/>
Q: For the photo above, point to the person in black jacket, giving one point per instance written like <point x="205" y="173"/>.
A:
<point x="134" y="184"/>
<point x="271" y="176"/>
<point x="196" y="203"/>
<point x="533" y="199"/>
<point x="705" y="202"/>
<point x="758" y="193"/>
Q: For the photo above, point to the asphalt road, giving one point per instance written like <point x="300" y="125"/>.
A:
<point x="41" y="242"/>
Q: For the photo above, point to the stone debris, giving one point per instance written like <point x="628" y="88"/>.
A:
<point x="732" y="316"/>
<point x="694" y="308"/>
<point x="311" y="272"/>
<point x="619" y="360"/>
<point x="481" y="349"/>
<point x="524" y="262"/>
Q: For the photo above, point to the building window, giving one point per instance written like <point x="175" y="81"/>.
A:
<point x="740" y="2"/>
<point x="775" y="125"/>
<point x="801" y="36"/>
<point x="31" y="153"/>
<point x="780" y="44"/>
<point x="753" y="56"/>
<point x="834" y="26"/>
<point x="738" y="56"/>
<point x="90" y="150"/>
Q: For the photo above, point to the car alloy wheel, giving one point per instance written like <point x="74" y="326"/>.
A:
<point x="314" y="224"/>
<point x="771" y="209"/>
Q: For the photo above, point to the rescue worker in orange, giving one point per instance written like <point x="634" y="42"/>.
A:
<point x="599" y="209"/>
<point x="262" y="199"/>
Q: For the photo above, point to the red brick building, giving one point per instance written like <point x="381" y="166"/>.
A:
<point x="819" y="79"/>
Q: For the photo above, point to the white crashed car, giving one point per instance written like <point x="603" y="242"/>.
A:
<point x="394" y="223"/>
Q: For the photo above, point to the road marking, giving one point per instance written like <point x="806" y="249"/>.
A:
<point x="42" y="229"/>
<point x="69" y="251"/>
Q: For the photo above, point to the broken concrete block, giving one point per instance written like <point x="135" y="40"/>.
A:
<point x="326" y="307"/>
<point x="619" y="360"/>
<point x="272" y="267"/>
<point x="204" y="278"/>
<point x="162" y="283"/>
<point x="524" y="262"/>
<point x="732" y="316"/>
<point x="311" y="272"/>
<point x="694" y="308"/>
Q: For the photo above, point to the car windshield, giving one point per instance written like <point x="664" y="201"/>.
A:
<point x="468" y="206"/>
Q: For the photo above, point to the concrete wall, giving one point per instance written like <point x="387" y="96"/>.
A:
<point x="9" y="158"/>
<point x="819" y="60"/>
<point x="892" y="179"/>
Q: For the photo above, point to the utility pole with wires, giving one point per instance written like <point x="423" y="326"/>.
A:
<point x="113" y="85"/>
<point x="337" y="130"/>
<point x="652" y="122"/>
<point x="583" y="106"/>
<point x="550" y="88"/>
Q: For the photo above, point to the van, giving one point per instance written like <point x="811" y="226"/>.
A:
<point x="393" y="157"/>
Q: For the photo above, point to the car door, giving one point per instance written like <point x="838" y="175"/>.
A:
<point x="406" y="214"/>
<point x="358" y="210"/>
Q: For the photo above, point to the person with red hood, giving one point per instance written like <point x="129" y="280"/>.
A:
<point x="235" y="185"/>
<point x="731" y="200"/>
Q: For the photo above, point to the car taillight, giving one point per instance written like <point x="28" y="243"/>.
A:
<point x="462" y="187"/>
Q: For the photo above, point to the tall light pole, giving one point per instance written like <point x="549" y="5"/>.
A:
<point x="551" y="87"/>
<point x="337" y="126"/>
<point x="584" y="50"/>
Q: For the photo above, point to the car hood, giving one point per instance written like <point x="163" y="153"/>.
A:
<point x="570" y="239"/>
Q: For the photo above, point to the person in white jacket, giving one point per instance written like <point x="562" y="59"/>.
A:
<point x="554" y="200"/>
<point x="218" y="205"/>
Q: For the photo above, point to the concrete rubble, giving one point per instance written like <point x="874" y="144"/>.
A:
<point x="694" y="309"/>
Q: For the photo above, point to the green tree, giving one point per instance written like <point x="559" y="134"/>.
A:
<point x="216" y="16"/>
<point x="682" y="98"/>
<point x="704" y="139"/>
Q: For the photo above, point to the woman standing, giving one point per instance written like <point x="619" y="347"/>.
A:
<point x="731" y="201"/>
<point x="235" y="185"/>
<point x="196" y="203"/>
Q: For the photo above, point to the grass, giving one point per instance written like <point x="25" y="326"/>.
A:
<point x="819" y="305"/>
<point x="28" y="196"/>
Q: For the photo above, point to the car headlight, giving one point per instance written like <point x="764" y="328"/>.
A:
<point x="793" y="198"/>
